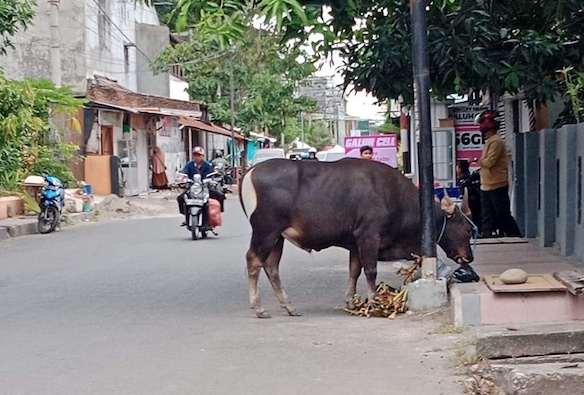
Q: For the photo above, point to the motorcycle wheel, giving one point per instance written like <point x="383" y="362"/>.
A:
<point x="48" y="219"/>
<point x="194" y="226"/>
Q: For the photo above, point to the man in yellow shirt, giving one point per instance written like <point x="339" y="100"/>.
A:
<point x="495" y="205"/>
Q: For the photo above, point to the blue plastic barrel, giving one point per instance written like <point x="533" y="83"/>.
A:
<point x="87" y="189"/>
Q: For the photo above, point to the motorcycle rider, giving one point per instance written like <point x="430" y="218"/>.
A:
<point x="312" y="154"/>
<point x="198" y="166"/>
<point x="220" y="163"/>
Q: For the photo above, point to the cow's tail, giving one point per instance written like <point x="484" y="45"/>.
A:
<point x="247" y="194"/>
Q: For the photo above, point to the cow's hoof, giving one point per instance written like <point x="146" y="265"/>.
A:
<point x="263" y="314"/>
<point x="350" y="305"/>
<point x="293" y="312"/>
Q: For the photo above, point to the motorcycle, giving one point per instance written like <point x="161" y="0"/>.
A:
<point x="197" y="203"/>
<point x="220" y="179"/>
<point x="472" y="184"/>
<point x="51" y="203"/>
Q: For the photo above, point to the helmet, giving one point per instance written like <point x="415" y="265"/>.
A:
<point x="465" y="274"/>
<point x="487" y="120"/>
<point x="312" y="150"/>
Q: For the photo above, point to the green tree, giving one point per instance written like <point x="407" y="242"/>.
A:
<point x="264" y="79"/>
<point x="29" y="144"/>
<point x="318" y="135"/>
<point x="15" y="15"/>
<point x="495" y="45"/>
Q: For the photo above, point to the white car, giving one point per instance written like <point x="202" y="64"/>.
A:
<point x="264" y="154"/>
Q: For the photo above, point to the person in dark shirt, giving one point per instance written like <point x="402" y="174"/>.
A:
<point x="198" y="166"/>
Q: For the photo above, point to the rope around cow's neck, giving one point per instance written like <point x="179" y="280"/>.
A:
<point x="475" y="229"/>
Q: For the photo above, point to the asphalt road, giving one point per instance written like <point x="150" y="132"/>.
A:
<point x="136" y="307"/>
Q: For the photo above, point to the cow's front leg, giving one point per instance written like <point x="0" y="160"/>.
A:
<point x="354" y="273"/>
<point x="368" y="253"/>
<point x="272" y="271"/>
<point x="254" y="267"/>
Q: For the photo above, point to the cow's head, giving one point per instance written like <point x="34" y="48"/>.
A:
<point x="456" y="230"/>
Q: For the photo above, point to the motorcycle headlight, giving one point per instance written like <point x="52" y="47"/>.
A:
<point x="196" y="189"/>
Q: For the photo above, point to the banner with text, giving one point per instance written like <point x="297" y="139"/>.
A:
<point x="384" y="147"/>
<point x="469" y="142"/>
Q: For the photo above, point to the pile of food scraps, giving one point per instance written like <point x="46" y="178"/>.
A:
<point x="388" y="302"/>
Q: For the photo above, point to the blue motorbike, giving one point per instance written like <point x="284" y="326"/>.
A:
<point x="52" y="201"/>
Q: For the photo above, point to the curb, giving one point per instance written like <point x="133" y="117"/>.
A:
<point x="25" y="229"/>
<point x="4" y="234"/>
<point x="31" y="228"/>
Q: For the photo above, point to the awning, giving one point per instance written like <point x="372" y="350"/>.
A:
<point x="208" y="127"/>
<point x="171" y="112"/>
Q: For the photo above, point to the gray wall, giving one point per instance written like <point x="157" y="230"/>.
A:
<point x="550" y="178"/>
<point x="30" y="57"/>
<point x="151" y="40"/>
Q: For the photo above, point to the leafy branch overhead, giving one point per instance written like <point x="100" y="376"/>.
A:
<point x="15" y="15"/>
<point x="29" y="144"/>
<point x="496" y="45"/>
<point x="264" y="78"/>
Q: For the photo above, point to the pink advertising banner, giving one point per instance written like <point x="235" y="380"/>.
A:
<point x="384" y="147"/>
<point x="469" y="142"/>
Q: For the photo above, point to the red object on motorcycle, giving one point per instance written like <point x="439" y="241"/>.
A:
<point x="214" y="213"/>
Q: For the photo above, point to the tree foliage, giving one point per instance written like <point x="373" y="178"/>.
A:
<point x="495" y="45"/>
<point x="264" y="79"/>
<point x="28" y="142"/>
<point x="14" y="16"/>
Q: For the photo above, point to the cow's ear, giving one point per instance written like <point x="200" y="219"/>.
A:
<point x="465" y="206"/>
<point x="447" y="205"/>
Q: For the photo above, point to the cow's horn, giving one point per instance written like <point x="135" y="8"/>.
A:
<point x="447" y="205"/>
<point x="446" y="192"/>
<point x="465" y="206"/>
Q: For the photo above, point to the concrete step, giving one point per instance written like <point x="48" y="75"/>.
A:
<point x="530" y="340"/>
<point x="475" y="304"/>
<point x="559" y="378"/>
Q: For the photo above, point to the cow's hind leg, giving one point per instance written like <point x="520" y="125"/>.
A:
<point x="368" y="252"/>
<point x="354" y="273"/>
<point x="254" y="267"/>
<point x="271" y="268"/>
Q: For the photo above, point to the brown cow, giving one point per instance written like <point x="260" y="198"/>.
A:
<point x="367" y="207"/>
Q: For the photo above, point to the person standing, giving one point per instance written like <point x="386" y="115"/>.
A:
<point x="159" y="178"/>
<point x="494" y="162"/>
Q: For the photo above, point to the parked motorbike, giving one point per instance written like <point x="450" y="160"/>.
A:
<point x="51" y="203"/>
<point x="197" y="203"/>
<point x="473" y="185"/>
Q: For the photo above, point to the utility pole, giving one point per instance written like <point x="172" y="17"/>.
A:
<point x="232" y="109"/>
<point x="302" y="125"/>
<point x="55" y="49"/>
<point x="422" y="84"/>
